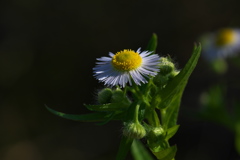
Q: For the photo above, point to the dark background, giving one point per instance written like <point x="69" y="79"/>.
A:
<point x="48" y="49"/>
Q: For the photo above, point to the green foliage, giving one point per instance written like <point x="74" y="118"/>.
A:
<point x="171" y="95"/>
<point x="152" y="44"/>
<point x="92" y="117"/>
<point x="139" y="152"/>
<point x="124" y="147"/>
<point x="151" y="112"/>
<point x="172" y="131"/>
<point x="167" y="154"/>
<point x="175" y="88"/>
<point x="110" y="107"/>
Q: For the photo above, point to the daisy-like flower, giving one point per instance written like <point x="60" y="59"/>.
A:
<point x="221" y="44"/>
<point x="127" y="65"/>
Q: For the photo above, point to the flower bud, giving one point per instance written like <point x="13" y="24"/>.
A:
<point x="117" y="95"/>
<point x="160" y="79"/>
<point x="157" y="131"/>
<point x="167" y="72"/>
<point x="104" y="96"/>
<point x="134" y="130"/>
<point x="166" y="66"/>
<point x="155" y="139"/>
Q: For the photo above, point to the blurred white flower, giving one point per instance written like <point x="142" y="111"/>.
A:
<point x="221" y="44"/>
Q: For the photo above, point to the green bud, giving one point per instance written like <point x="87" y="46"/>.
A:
<point x="166" y="66"/>
<point x="105" y="95"/>
<point x="155" y="139"/>
<point x="117" y="95"/>
<point x="134" y="130"/>
<point x="156" y="134"/>
<point x="161" y="79"/>
<point x="157" y="131"/>
<point x="167" y="72"/>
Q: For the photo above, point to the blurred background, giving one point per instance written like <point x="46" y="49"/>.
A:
<point x="48" y="50"/>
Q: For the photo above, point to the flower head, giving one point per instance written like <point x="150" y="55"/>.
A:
<point x="221" y="44"/>
<point x="127" y="65"/>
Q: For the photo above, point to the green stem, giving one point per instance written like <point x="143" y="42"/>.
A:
<point x="163" y="118"/>
<point x="152" y="117"/>
<point x="140" y="96"/>
<point x="135" y="115"/>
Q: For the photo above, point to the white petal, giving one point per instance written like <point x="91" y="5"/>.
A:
<point x="105" y="72"/>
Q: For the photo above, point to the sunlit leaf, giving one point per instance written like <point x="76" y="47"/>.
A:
<point x="167" y="154"/>
<point x="177" y="85"/>
<point x="171" y="95"/>
<point x="172" y="131"/>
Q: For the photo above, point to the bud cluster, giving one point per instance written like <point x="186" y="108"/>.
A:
<point x="167" y="71"/>
<point x="108" y="95"/>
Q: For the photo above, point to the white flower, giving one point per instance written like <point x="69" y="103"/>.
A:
<point x="125" y="66"/>
<point x="221" y="44"/>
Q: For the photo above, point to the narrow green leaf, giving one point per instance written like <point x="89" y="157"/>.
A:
<point x="139" y="152"/>
<point x="170" y="119"/>
<point x="167" y="154"/>
<point x="177" y="85"/>
<point x="172" y="131"/>
<point x="110" y="107"/>
<point x="91" y="117"/>
<point x="152" y="44"/>
<point x="110" y="117"/>
<point x="171" y="95"/>
<point x="124" y="147"/>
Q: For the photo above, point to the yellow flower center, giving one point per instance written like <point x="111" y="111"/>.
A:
<point x="126" y="60"/>
<point x="225" y="37"/>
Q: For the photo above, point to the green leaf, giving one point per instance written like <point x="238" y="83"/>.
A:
<point x="152" y="44"/>
<point x="177" y="85"/>
<point x="139" y="152"/>
<point x="110" y="107"/>
<point x="172" y="131"/>
<point x="167" y="154"/>
<point x="124" y="147"/>
<point x="170" y="96"/>
<point x="91" y="117"/>
<point x="170" y="118"/>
